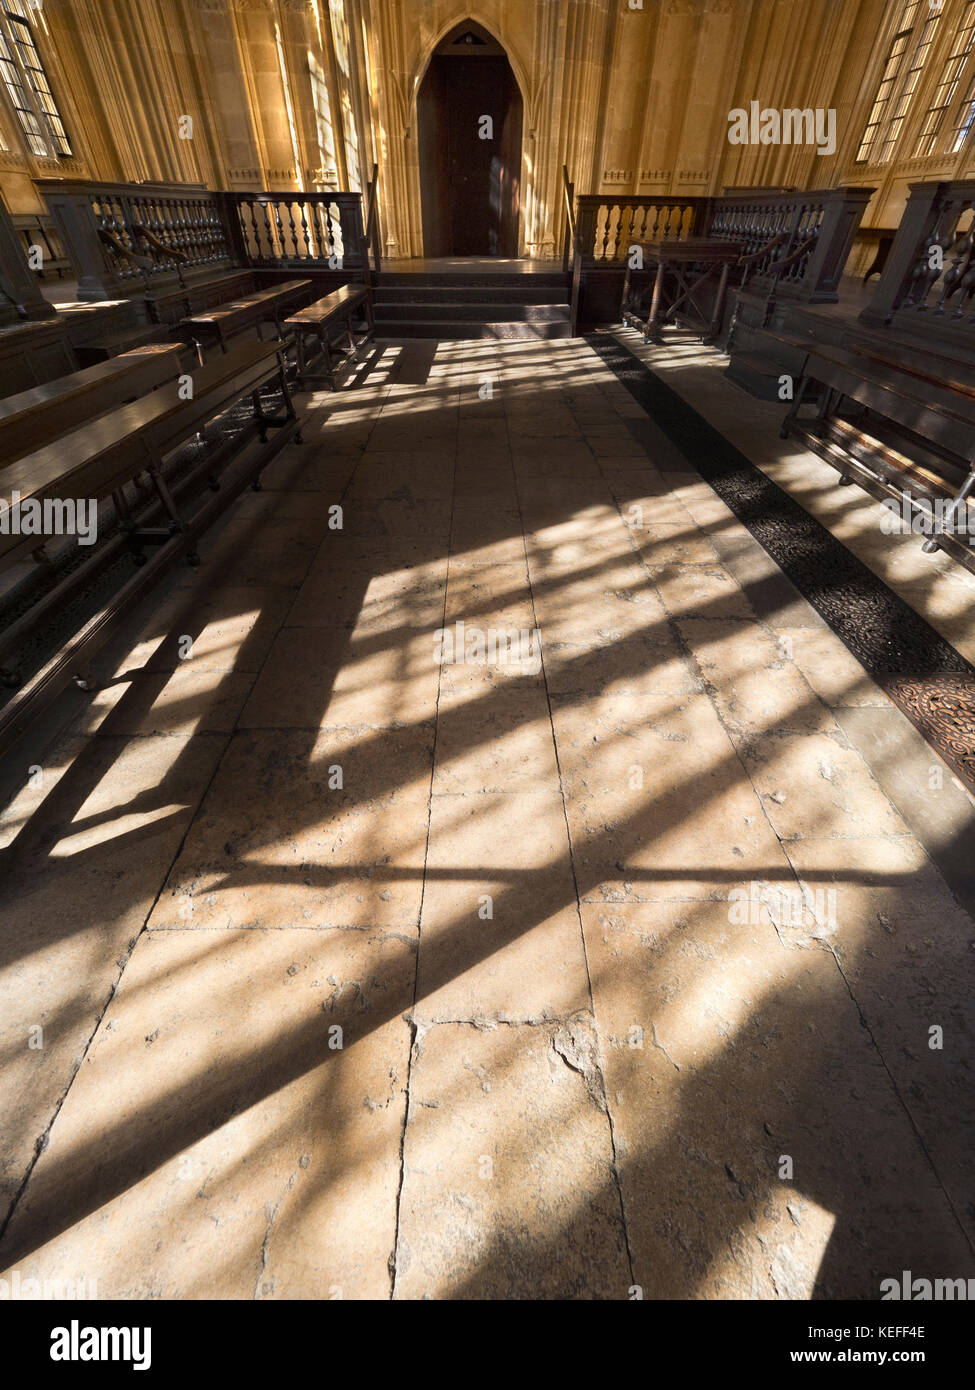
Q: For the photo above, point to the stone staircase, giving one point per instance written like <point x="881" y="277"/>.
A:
<point x="472" y="304"/>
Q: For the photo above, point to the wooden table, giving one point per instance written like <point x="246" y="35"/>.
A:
<point x="690" y="263"/>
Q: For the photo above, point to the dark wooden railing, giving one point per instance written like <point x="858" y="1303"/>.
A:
<point x="796" y="243"/>
<point x="293" y="231"/>
<point x="123" y="236"/>
<point x="569" y="240"/>
<point x="608" y="227"/>
<point x="927" y="284"/>
<point x="373" y="234"/>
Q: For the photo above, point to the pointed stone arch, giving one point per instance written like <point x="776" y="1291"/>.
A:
<point x="469" y="194"/>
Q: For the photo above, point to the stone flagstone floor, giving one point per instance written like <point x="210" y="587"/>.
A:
<point x="606" y="969"/>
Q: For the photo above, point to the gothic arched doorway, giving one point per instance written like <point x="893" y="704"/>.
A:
<point x="469" y="120"/>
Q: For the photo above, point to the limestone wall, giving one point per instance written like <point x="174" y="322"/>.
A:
<point x="633" y="95"/>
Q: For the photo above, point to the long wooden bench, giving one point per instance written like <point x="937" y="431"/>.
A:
<point x="315" y="321"/>
<point x="887" y="419"/>
<point x="229" y="320"/>
<point x="103" y="458"/>
<point x="41" y="414"/>
<point x="124" y="340"/>
<point x="169" y="303"/>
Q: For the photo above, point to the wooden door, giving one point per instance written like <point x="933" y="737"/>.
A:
<point x="470" y="130"/>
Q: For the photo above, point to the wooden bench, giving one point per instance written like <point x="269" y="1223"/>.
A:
<point x="227" y="321"/>
<point x="887" y="419"/>
<point x="315" y="320"/>
<point x="123" y="341"/>
<point x="168" y="302"/>
<point x="104" y="457"/>
<point x="42" y="414"/>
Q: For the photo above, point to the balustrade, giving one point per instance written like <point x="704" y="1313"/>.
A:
<point x="300" y="230"/>
<point x="928" y="282"/>
<point x="118" y="236"/>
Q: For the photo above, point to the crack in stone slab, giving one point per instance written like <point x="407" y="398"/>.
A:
<point x="575" y="1042"/>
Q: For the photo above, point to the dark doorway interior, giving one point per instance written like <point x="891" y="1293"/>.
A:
<point x="470" y="184"/>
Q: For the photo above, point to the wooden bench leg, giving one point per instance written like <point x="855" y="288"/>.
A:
<point x="327" y="350"/>
<point x="259" y="416"/>
<point x="652" y="332"/>
<point x="165" y="497"/>
<point x="289" y="404"/>
<point x="958" y="501"/>
<point x="300" y="358"/>
<point x="793" y="412"/>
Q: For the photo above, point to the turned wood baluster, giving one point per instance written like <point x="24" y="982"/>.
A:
<point x="279" y="222"/>
<point x="603" y="217"/>
<point x="953" y="276"/>
<point x="197" y="224"/>
<point x="924" y="275"/>
<point x="180" y="237"/>
<point x="266" y="210"/>
<point x="625" y="236"/>
<point x="966" y="288"/>
<point x="220" y="243"/>
<point x="191" y="222"/>
<point x="255" y="231"/>
<point x="292" y="233"/>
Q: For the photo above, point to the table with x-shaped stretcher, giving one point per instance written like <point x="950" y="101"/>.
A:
<point x="677" y="272"/>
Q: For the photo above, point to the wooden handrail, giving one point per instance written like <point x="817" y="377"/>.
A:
<point x="159" y="246"/>
<point x="570" y="246"/>
<point x="777" y="240"/>
<point x="568" y="189"/>
<point x="372" y="193"/>
<point x="777" y="267"/>
<point x="572" y="249"/>
<point x="126" y="252"/>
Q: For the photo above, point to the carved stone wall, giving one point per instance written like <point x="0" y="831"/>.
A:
<point x="632" y="95"/>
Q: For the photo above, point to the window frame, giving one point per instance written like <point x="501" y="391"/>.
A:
<point x="25" y="79"/>
<point x="908" y="51"/>
<point x="956" y="70"/>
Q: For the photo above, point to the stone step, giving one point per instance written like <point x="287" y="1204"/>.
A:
<point x="471" y="294"/>
<point x="457" y="310"/>
<point x="473" y="279"/>
<point x="507" y="329"/>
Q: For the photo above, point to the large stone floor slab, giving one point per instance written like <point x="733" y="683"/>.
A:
<point x="616" y="963"/>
